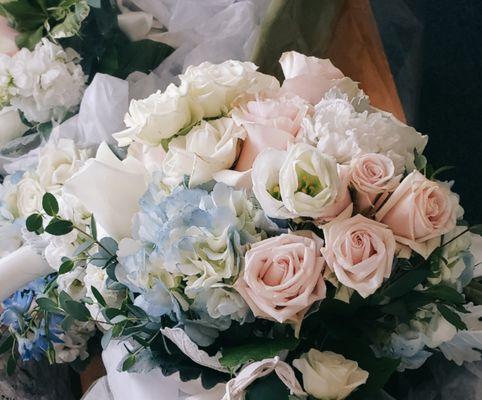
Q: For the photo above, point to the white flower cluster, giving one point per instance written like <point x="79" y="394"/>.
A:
<point x="44" y="84"/>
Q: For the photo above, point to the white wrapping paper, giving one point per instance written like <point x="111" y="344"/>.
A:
<point x="20" y="268"/>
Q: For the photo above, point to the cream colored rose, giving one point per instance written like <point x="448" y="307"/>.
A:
<point x="329" y="376"/>
<point x="373" y="178"/>
<point x="58" y="161"/>
<point x="282" y="277"/>
<point x="208" y="148"/>
<point x="419" y="212"/>
<point x="29" y="195"/>
<point x="360" y="252"/>
<point x="215" y="86"/>
<point x="159" y="116"/>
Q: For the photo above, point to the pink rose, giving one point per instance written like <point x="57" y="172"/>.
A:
<point x="373" y="178"/>
<point x="271" y="122"/>
<point x="283" y="277"/>
<point x="308" y="77"/>
<point x="342" y="203"/>
<point x="360" y="252"/>
<point x="7" y="38"/>
<point x="419" y="212"/>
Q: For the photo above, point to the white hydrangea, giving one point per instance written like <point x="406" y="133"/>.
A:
<point x="338" y="129"/>
<point x="44" y="84"/>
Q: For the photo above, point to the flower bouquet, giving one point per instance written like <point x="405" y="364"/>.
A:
<point x="253" y="240"/>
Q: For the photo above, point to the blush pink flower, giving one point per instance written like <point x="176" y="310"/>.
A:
<point x="308" y="77"/>
<point x="7" y="38"/>
<point x="419" y="212"/>
<point x="360" y="252"/>
<point x="271" y="122"/>
<point x="373" y="178"/>
<point x="283" y="277"/>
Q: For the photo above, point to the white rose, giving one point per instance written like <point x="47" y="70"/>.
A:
<point x="215" y="86"/>
<point x="159" y="116"/>
<point x="59" y="247"/>
<point x="58" y="161"/>
<point x="339" y="130"/>
<point x="329" y="376"/>
<point x="72" y="283"/>
<point x="29" y="195"/>
<point x="309" y="181"/>
<point x="11" y="126"/>
<point x="208" y="148"/>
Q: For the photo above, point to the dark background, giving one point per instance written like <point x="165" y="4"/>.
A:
<point x="434" y="48"/>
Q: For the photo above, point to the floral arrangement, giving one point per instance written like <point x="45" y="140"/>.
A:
<point x="274" y="241"/>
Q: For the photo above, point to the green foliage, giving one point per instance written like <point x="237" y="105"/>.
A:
<point x="451" y="316"/>
<point x="34" y="223"/>
<point x="267" y="388"/>
<point x="35" y="19"/>
<point x="7" y="344"/>
<point x="476" y="229"/>
<point x="66" y="266"/>
<point x="50" y="204"/>
<point x="234" y="357"/>
<point x="104" y="48"/>
<point x="59" y="227"/>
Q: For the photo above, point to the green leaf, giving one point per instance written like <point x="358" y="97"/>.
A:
<point x="48" y="305"/>
<point x="64" y="297"/>
<point x="476" y="229"/>
<point x="34" y="223"/>
<point x="445" y="293"/>
<point x="50" y="204"/>
<point x="29" y="39"/>
<point x="59" y="227"/>
<point x="267" y="388"/>
<point x="66" y="266"/>
<point x="234" y="357"/>
<point x="77" y="310"/>
<point x="7" y="344"/>
<point x="129" y="362"/>
<point x="110" y="313"/>
<point x="100" y="299"/>
<point x="93" y="227"/>
<point x="451" y="317"/>
<point x="445" y="168"/>
<point x="406" y="283"/>
<point x="94" y="3"/>
<point x="11" y="365"/>
<point x="67" y="323"/>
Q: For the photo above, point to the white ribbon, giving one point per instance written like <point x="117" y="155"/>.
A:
<point x="19" y="268"/>
<point x="235" y="388"/>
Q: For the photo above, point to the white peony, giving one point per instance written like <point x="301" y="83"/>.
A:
<point x="308" y="181"/>
<point x="11" y="126"/>
<point x="58" y="161"/>
<point x="208" y="148"/>
<point x="215" y="86"/>
<point x="327" y="375"/>
<point x="339" y="130"/>
<point x="160" y="116"/>
<point x="29" y="195"/>
<point x="45" y="83"/>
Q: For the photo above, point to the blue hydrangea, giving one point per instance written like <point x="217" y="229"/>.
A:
<point x="185" y="245"/>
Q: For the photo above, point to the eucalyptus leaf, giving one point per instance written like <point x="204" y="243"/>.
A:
<point x="7" y="344"/>
<point x="48" y="305"/>
<point x="50" y="204"/>
<point x="406" y="282"/>
<point x="34" y="222"/>
<point x="98" y="296"/>
<point x="59" y="227"/>
<point x="77" y="310"/>
<point x="451" y="316"/>
<point x="234" y="357"/>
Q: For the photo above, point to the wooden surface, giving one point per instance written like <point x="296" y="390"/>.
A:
<point x="356" y="49"/>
